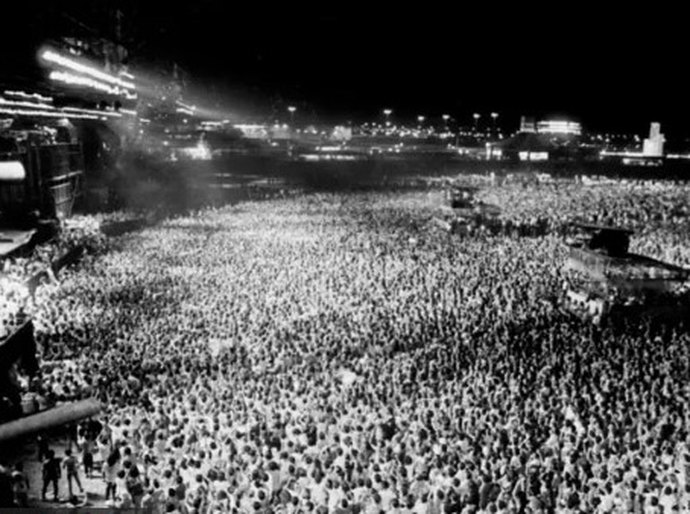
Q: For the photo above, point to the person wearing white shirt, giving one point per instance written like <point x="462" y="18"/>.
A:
<point x="387" y="495"/>
<point x="360" y="493"/>
<point x="319" y="494"/>
<point x="373" y="505"/>
<point x="668" y="500"/>
<point x="335" y="497"/>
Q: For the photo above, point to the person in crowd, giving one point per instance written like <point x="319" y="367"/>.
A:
<point x="71" y="467"/>
<point x="7" y="497"/>
<point x="20" y="486"/>
<point x="51" y="474"/>
<point x="111" y="469"/>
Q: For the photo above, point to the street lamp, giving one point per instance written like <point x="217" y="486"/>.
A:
<point x="387" y="113"/>
<point x="292" y="110"/>
<point x="476" y="117"/>
<point x="494" y="116"/>
<point x="445" y="117"/>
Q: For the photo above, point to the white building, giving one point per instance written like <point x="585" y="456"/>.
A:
<point x="653" y="146"/>
<point x="527" y="124"/>
<point x="562" y="127"/>
<point x="559" y="127"/>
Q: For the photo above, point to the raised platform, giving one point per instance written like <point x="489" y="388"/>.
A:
<point x="628" y="272"/>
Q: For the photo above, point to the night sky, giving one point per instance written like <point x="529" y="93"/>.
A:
<point x="611" y="69"/>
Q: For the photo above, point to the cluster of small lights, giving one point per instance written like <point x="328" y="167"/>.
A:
<point x="248" y="126"/>
<point x="210" y="125"/>
<point x="200" y="152"/>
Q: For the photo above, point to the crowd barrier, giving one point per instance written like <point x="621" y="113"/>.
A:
<point x="68" y="413"/>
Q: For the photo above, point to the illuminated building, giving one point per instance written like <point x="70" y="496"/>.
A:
<point x="253" y="131"/>
<point x="652" y="150"/>
<point x="561" y="127"/>
<point x="653" y="146"/>
<point x="533" y="156"/>
<point x="564" y="127"/>
<point x="527" y="124"/>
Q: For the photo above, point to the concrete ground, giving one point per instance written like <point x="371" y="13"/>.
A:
<point x="94" y="486"/>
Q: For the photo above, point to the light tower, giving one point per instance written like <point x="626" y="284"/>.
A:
<point x="445" y="118"/>
<point x="494" y="117"/>
<point x="387" y="113"/>
<point x="292" y="109"/>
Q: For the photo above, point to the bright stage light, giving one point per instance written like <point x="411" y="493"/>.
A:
<point x="184" y="105"/>
<point x="46" y="114"/>
<point x="16" y="103"/>
<point x="45" y="110"/>
<point x="56" y="58"/>
<point x="30" y="96"/>
<point x="76" y="80"/>
<point x="78" y="110"/>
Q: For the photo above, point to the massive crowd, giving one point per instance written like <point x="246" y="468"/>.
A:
<point x="335" y="353"/>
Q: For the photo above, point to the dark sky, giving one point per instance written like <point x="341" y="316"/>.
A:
<point x="609" y="68"/>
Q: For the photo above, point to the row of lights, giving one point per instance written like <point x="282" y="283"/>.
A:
<point x="445" y="117"/>
<point x="421" y="118"/>
<point x="19" y="107"/>
<point x="79" y="74"/>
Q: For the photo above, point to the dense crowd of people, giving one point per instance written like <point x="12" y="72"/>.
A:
<point x="657" y="211"/>
<point x="334" y="353"/>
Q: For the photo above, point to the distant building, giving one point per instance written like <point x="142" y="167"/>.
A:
<point x="653" y="146"/>
<point x="528" y="124"/>
<point x="559" y="127"/>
